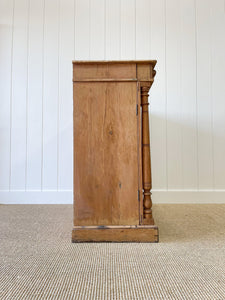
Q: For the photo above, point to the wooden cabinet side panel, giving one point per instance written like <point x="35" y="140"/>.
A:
<point x="105" y="154"/>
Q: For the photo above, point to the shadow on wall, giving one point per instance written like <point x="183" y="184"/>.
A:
<point x="186" y="152"/>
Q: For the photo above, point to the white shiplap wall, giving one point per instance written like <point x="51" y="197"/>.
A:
<point x="39" y="40"/>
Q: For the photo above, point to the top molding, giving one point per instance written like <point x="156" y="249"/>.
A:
<point x="152" y="62"/>
<point x="114" y="70"/>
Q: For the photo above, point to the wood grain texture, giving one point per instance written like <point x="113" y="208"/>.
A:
<point x="105" y="155"/>
<point x="139" y="125"/>
<point x="115" y="234"/>
<point x="104" y="71"/>
<point x="112" y="151"/>
<point x="146" y="161"/>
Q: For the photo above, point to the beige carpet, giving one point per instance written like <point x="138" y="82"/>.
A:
<point x="38" y="260"/>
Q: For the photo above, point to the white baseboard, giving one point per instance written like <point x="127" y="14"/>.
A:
<point x="66" y="197"/>
<point x="188" y="196"/>
<point x="36" y="197"/>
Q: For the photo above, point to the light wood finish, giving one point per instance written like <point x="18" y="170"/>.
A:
<point x="104" y="71"/>
<point x="111" y="150"/>
<point x="115" y="234"/>
<point x="101" y="62"/>
<point x="105" y="157"/>
<point x="146" y="162"/>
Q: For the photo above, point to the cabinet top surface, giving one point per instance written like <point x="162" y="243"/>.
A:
<point x="152" y="62"/>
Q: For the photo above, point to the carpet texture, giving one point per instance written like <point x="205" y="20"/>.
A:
<point x="38" y="260"/>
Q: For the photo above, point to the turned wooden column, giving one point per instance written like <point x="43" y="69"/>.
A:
<point x="146" y="161"/>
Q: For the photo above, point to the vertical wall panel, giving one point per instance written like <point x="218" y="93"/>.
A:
<point x="65" y="109"/>
<point x="143" y="29"/>
<point x="6" y="35"/>
<point x="218" y="90"/>
<point x="128" y="29"/>
<point x="39" y="40"/>
<point x="82" y="30"/>
<point x="34" y="96"/>
<point x="97" y="30"/>
<point x="50" y="95"/>
<point x="19" y="95"/>
<point x="204" y="94"/>
<point x="188" y="96"/>
<point x="158" y="96"/>
<point x="112" y="30"/>
<point x="173" y="61"/>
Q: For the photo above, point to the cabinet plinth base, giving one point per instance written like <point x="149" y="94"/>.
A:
<point x="139" y="233"/>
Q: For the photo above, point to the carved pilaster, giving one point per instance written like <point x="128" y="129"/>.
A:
<point x="146" y="161"/>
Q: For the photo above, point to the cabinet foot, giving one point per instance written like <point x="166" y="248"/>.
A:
<point x="148" y="221"/>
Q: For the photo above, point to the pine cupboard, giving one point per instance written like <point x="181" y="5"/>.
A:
<point x="112" y="166"/>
